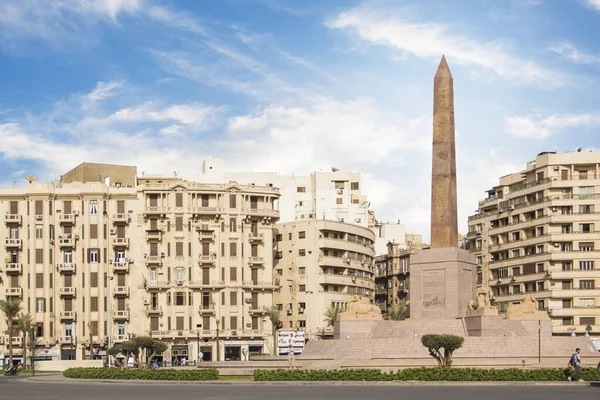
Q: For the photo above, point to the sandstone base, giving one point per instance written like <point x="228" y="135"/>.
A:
<point x="442" y="281"/>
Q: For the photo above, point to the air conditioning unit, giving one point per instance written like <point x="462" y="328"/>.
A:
<point x="362" y="262"/>
<point x="179" y="282"/>
<point x="554" y="209"/>
<point x="75" y="212"/>
<point x="130" y="260"/>
<point x="198" y="228"/>
<point x="146" y="302"/>
<point x="106" y="339"/>
<point x="38" y="217"/>
<point x="556" y="168"/>
<point x="340" y="191"/>
<point x="51" y="241"/>
<point x="347" y="259"/>
<point x="248" y="300"/>
<point x="511" y="207"/>
<point x="556" y="244"/>
<point x="162" y="254"/>
<point x="301" y="311"/>
<point x="234" y="332"/>
<point x="248" y="325"/>
<point x="289" y="312"/>
<point x="214" y="254"/>
<point x="112" y="231"/>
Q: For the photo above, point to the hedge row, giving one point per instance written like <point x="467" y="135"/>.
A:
<point x="423" y="374"/>
<point x="146" y="374"/>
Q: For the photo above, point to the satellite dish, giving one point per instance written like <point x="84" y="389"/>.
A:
<point x="31" y="178"/>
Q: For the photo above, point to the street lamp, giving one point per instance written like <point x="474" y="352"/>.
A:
<point x="110" y="319"/>
<point x="32" y="335"/>
<point x="198" y="327"/>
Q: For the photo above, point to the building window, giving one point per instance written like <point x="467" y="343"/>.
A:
<point x="339" y="185"/>
<point x="567" y="266"/>
<point x="587" y="303"/>
<point x="541" y="305"/>
<point x="587" y="321"/>
<point x="301" y="189"/>
<point x="301" y="252"/>
<point x="301" y="235"/>
<point x="587" y="284"/>
<point x="583" y="174"/>
<point x="93" y="256"/>
<point x="178" y="199"/>
<point x="339" y="200"/>
<point x="180" y="300"/>
<point x="179" y="274"/>
<point x="233" y="298"/>
<point x="39" y="231"/>
<point x="354" y="185"/>
<point x="586" y="246"/>
<point x="93" y="207"/>
<point x="586" y="265"/>
<point x="586" y="192"/>
<point x="586" y="209"/>
<point x="40" y="304"/>
<point x="516" y="289"/>
<point x="302" y="288"/>
<point x="302" y="270"/>
<point x="232" y="201"/>
<point x="586" y="228"/>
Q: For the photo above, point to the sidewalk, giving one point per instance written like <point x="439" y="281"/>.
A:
<point x="58" y="378"/>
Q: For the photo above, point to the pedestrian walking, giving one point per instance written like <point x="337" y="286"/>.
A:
<point x="575" y="362"/>
<point x="291" y="360"/>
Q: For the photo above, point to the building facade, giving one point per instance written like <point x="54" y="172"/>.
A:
<point x="320" y="264"/>
<point x="392" y="279"/>
<point x="537" y="233"/>
<point x="98" y="261"/>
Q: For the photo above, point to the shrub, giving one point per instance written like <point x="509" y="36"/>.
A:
<point x="423" y="374"/>
<point x="143" y="374"/>
<point x="449" y="343"/>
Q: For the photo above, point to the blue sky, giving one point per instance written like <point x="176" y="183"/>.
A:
<point x="297" y="86"/>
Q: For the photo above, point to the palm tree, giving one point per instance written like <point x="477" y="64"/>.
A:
<point x="331" y="315"/>
<point x="397" y="312"/>
<point x="276" y="323"/>
<point x="10" y="308"/>
<point x="24" y="325"/>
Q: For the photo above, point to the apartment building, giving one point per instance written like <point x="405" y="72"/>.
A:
<point x="537" y="234"/>
<point x="319" y="263"/>
<point x="103" y="255"/>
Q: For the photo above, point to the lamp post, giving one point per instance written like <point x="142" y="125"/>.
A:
<point x="198" y="327"/>
<point x="539" y="342"/>
<point x="218" y="345"/>
<point x="110" y="319"/>
<point x="32" y="335"/>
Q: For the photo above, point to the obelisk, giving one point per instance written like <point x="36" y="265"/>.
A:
<point x="444" y="223"/>
<point x="442" y="278"/>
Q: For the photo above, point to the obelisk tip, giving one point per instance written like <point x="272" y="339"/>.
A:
<point x="443" y="69"/>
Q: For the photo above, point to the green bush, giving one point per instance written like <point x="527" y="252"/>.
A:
<point x="423" y="374"/>
<point x="143" y="374"/>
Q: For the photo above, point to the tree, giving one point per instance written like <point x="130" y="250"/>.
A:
<point x="276" y="323"/>
<point x="10" y="308"/>
<point x="137" y="348"/>
<point x="435" y="344"/>
<point x="397" y="312"/>
<point x="331" y="315"/>
<point x="24" y="325"/>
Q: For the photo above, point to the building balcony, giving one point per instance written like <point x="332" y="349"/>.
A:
<point x="66" y="219"/>
<point x="205" y="228"/>
<point x="120" y="266"/>
<point x="254" y="309"/>
<point x="154" y="234"/>
<point x="575" y="312"/>
<point x="68" y="315"/>
<point x="206" y="236"/>
<point x="120" y="338"/>
<point x="206" y="309"/>
<point x="570" y="293"/>
<point x="158" y="285"/>
<point x="13" y="219"/>
<point x="13" y="268"/>
<point x="257" y="285"/>
<point x="121" y="315"/>
<point x="120" y="242"/>
<point x="206" y="210"/>
<point x="66" y="340"/>
<point x="66" y="268"/>
<point x="157" y="310"/>
<point x="329" y="261"/>
<point x="156" y="210"/>
<point x="509" y="297"/>
<point x="262" y="212"/>
<point x="256" y="261"/>
<point x="16" y="340"/>
<point x="13" y="243"/>
<point x="14" y="291"/>
<point x="67" y="240"/>
<point x="154" y="260"/>
<point x="121" y="218"/>
<point x="575" y="273"/>
<point x="207" y="260"/>
<point x="67" y="291"/>
<point x="255" y="237"/>
<point x="212" y="285"/>
<point x="121" y="291"/>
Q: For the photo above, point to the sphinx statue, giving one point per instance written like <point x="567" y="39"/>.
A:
<point x="360" y="308"/>
<point x="526" y="310"/>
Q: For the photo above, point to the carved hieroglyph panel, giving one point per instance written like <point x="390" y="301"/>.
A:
<point x="434" y="290"/>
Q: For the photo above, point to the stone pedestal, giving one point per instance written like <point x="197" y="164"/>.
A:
<point x="442" y="281"/>
<point x="496" y="326"/>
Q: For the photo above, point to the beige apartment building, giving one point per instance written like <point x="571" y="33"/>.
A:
<point x="537" y="233"/>
<point x="103" y="255"/>
<point x="319" y="263"/>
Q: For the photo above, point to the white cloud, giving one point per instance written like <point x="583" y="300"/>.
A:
<point x="538" y="127"/>
<point x="572" y="53"/>
<point x="594" y="4"/>
<point x="431" y="40"/>
<point x="171" y="130"/>
<point x="103" y="90"/>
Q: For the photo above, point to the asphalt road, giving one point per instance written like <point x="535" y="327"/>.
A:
<point x="21" y="389"/>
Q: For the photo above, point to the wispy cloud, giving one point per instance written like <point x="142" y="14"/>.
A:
<point x="539" y="127"/>
<point x="573" y="53"/>
<point x="595" y="4"/>
<point x="102" y="91"/>
<point x="431" y="40"/>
